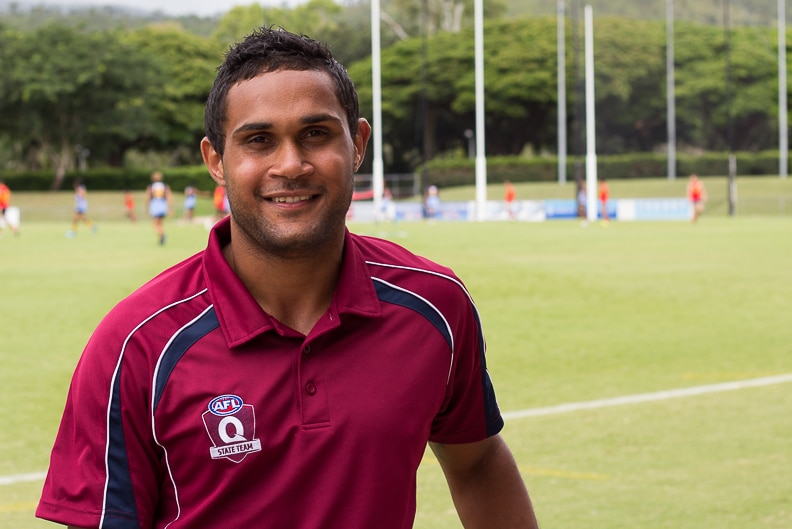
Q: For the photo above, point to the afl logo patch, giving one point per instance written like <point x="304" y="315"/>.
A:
<point x="225" y="405"/>
<point x="231" y="425"/>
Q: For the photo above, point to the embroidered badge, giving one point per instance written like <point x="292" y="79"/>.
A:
<point x="231" y="425"/>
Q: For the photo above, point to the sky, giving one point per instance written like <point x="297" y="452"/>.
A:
<point x="170" y="7"/>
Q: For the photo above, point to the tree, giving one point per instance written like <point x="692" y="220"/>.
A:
<point x="520" y="91"/>
<point x="64" y="90"/>
<point x="629" y="68"/>
<point x="183" y="67"/>
<point x="711" y="107"/>
<point x="346" y="29"/>
<point x="314" y="18"/>
<point x="411" y="18"/>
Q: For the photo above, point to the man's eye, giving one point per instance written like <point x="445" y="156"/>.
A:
<point x="315" y="133"/>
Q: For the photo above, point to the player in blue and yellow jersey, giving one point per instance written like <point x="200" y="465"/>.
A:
<point x="80" y="209"/>
<point x="159" y="202"/>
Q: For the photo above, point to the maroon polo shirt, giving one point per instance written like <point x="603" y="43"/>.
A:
<point x="192" y="408"/>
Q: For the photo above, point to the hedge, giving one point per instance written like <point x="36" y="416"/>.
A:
<point x="456" y="172"/>
<point x="109" y="179"/>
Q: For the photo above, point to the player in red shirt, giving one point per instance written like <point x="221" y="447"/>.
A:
<point x="5" y="202"/>
<point x="509" y="197"/>
<point x="697" y="195"/>
<point x="220" y="201"/>
<point x="129" y="205"/>
<point x="604" y="195"/>
<point x="291" y="374"/>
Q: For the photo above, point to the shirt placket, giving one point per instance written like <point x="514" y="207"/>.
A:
<point x="312" y="387"/>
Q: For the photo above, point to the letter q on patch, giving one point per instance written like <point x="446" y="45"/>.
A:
<point x="231" y="425"/>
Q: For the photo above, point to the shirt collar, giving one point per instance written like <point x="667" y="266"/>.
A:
<point x="240" y="316"/>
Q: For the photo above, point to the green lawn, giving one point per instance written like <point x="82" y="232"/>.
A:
<point x="571" y="314"/>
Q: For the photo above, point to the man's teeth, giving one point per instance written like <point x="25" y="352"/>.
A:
<point x="291" y="200"/>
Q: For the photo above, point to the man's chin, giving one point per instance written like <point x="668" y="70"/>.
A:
<point x="301" y="243"/>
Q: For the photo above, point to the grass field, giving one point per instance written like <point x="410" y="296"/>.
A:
<point x="572" y="314"/>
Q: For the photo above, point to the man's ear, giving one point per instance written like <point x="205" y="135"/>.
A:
<point x="213" y="161"/>
<point x="361" y="140"/>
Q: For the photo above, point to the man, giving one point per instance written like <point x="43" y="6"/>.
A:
<point x="604" y="195"/>
<point x="509" y="196"/>
<point x="159" y="201"/>
<point x="290" y="375"/>
<point x="220" y="201"/>
<point x="432" y="202"/>
<point x="190" y="201"/>
<point x="5" y="204"/>
<point x="697" y="195"/>
<point x="80" y="209"/>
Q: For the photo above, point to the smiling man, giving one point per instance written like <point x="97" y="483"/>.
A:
<point x="291" y="374"/>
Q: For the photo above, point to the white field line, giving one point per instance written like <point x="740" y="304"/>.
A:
<point x="562" y="408"/>
<point x="648" y="397"/>
<point x="21" y="478"/>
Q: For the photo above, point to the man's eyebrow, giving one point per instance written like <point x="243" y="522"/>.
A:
<point x="247" y="127"/>
<point x="311" y="119"/>
<point x="319" y="118"/>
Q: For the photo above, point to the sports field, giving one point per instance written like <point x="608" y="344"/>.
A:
<point x="638" y="327"/>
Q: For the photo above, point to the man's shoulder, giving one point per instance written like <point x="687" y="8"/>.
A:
<point x="375" y="249"/>
<point x="172" y="289"/>
<point x="387" y="259"/>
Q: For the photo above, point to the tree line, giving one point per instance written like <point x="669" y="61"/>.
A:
<point x="124" y="96"/>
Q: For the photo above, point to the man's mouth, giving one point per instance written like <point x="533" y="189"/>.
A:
<point x="291" y="200"/>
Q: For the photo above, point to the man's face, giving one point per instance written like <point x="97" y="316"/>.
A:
<point x="289" y="161"/>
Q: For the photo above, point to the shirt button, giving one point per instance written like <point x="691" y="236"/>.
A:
<point x="310" y="388"/>
<point x="307" y="349"/>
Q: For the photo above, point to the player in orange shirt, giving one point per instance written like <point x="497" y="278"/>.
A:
<point x="5" y="200"/>
<point x="509" y="197"/>
<point x="220" y="201"/>
<point x="604" y="195"/>
<point x="129" y="206"/>
<point x="697" y="195"/>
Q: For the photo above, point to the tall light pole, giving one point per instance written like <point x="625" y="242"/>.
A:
<point x="732" y="182"/>
<point x="670" y="90"/>
<point x="561" y="81"/>
<point x="591" y="149"/>
<point x="377" y="177"/>
<point x="481" y="157"/>
<point x="783" y="131"/>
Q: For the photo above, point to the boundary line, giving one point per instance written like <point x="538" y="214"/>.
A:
<point x="22" y="478"/>
<point x="564" y="408"/>
<point x="648" y="397"/>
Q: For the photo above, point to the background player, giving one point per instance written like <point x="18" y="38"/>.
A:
<point x="80" y="209"/>
<point x="5" y="204"/>
<point x="697" y="195"/>
<point x="159" y="202"/>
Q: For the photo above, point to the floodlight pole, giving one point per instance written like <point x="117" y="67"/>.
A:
<point x="732" y="182"/>
<point x="591" y="149"/>
<point x="481" y="157"/>
<point x="561" y="82"/>
<point x="783" y="130"/>
<point x="670" y="90"/>
<point x="377" y="177"/>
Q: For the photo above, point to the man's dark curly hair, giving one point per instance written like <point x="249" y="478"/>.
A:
<point x="269" y="50"/>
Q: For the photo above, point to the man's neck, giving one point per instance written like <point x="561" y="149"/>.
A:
<point x="295" y="291"/>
